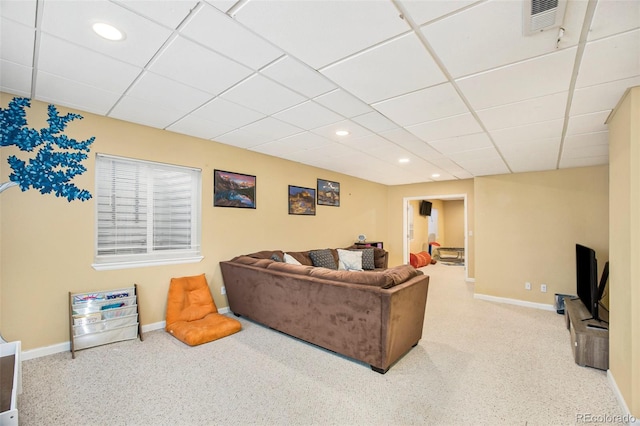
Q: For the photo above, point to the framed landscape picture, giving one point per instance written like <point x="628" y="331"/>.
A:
<point x="328" y="193"/>
<point x="234" y="190"/>
<point x="302" y="201"/>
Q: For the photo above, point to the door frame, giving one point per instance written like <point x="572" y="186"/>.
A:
<point x="405" y="226"/>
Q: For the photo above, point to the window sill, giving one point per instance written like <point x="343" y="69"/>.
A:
<point x="142" y="263"/>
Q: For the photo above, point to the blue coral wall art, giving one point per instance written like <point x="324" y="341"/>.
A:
<point x="57" y="159"/>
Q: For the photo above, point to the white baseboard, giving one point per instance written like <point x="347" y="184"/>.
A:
<point x="66" y="346"/>
<point x="627" y="418"/>
<point x="518" y="302"/>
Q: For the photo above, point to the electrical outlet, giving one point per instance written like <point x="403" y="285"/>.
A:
<point x="543" y="288"/>
<point x="527" y="286"/>
<point x="223" y="290"/>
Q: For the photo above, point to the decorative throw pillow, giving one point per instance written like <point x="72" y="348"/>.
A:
<point x="350" y="260"/>
<point x="367" y="259"/>
<point x="290" y="259"/>
<point x="323" y="258"/>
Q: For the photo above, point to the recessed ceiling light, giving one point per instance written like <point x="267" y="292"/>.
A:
<point x="108" y="31"/>
<point x="403" y="160"/>
<point x="435" y="175"/>
<point x="342" y="132"/>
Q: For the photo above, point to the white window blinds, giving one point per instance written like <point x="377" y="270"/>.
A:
<point x="146" y="212"/>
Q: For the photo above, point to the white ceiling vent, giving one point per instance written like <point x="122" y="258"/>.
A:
<point x="540" y="15"/>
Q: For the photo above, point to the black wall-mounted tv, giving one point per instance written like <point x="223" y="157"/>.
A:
<point x="587" y="286"/>
<point x="425" y="208"/>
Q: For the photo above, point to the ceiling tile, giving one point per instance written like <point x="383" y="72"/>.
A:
<point x="269" y="129"/>
<point x="424" y="11"/>
<point x="587" y="123"/>
<point x="320" y="33"/>
<point x="412" y="144"/>
<point x="191" y="64"/>
<point x="166" y="12"/>
<point x="297" y="142"/>
<point x="614" y="16"/>
<point x="600" y="97"/>
<point x="143" y="37"/>
<point x="239" y="138"/>
<point x="308" y="115"/>
<point x="368" y="143"/>
<point x="162" y="91"/>
<point x="355" y="131"/>
<point x="609" y="59"/>
<point x="298" y="77"/>
<point x="343" y="103"/>
<point x="17" y="42"/>
<point x="530" y="132"/>
<point x="80" y="64"/>
<point x="54" y="89"/>
<point x="375" y="122"/>
<point x="223" y="111"/>
<point x="23" y="11"/>
<point x="222" y="5"/>
<point x="223" y="34"/>
<point x="517" y="82"/>
<point x="462" y="143"/>
<point x="587" y="139"/>
<point x="487" y="153"/>
<point x="423" y="105"/>
<point x="522" y="149"/>
<point x="262" y="95"/>
<point x="486" y="166"/>
<point x="387" y="70"/>
<point x="144" y="112"/>
<point x="199" y="127"/>
<point x="532" y="161"/>
<point x="15" y="79"/>
<point x="534" y="110"/>
<point x="479" y="47"/>
<point x="585" y="151"/>
<point x="456" y="125"/>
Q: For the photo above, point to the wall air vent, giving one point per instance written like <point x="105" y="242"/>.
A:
<point x="540" y="15"/>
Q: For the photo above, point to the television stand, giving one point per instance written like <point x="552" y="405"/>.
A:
<point x="589" y="337"/>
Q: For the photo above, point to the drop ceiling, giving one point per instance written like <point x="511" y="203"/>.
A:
<point x="453" y="86"/>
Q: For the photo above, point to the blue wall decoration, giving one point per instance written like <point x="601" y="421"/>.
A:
<point x="57" y="160"/>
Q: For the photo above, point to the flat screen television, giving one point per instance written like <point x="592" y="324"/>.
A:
<point x="589" y="291"/>
<point x="425" y="208"/>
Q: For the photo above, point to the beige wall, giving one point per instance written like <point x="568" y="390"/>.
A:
<point x="47" y="243"/>
<point x="527" y="227"/>
<point x="396" y="197"/>
<point x="454" y="223"/>
<point x="624" y="278"/>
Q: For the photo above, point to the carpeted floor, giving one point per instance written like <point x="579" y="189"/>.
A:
<point x="478" y="363"/>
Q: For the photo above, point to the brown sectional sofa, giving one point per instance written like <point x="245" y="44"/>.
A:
<point x="372" y="316"/>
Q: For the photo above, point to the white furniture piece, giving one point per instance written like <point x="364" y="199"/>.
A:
<point x="101" y="317"/>
<point x="10" y="382"/>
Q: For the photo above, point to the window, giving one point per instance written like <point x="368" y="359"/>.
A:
<point x="146" y="213"/>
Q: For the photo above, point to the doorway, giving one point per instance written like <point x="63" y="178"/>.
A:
<point x="407" y="227"/>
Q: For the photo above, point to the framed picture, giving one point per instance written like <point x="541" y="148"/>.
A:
<point x="234" y="190"/>
<point x="302" y="200"/>
<point x="328" y="193"/>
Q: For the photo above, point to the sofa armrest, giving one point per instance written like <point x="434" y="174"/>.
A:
<point x="403" y="317"/>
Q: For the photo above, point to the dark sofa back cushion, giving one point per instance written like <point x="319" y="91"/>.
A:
<point x="267" y="254"/>
<point x="247" y="260"/>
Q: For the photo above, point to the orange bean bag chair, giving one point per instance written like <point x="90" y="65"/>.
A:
<point x="418" y="260"/>
<point x="192" y="315"/>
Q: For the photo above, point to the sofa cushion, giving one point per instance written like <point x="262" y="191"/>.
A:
<point x="290" y="268"/>
<point x="291" y="260"/>
<point x="301" y="256"/>
<point x="354" y="277"/>
<point x="266" y="254"/>
<point x="323" y="258"/>
<point x="247" y="260"/>
<point x="350" y="260"/>
<point x="399" y="274"/>
<point x="379" y="255"/>
<point x="368" y="262"/>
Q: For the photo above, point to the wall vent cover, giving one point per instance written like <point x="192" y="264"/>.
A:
<point x="540" y="15"/>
